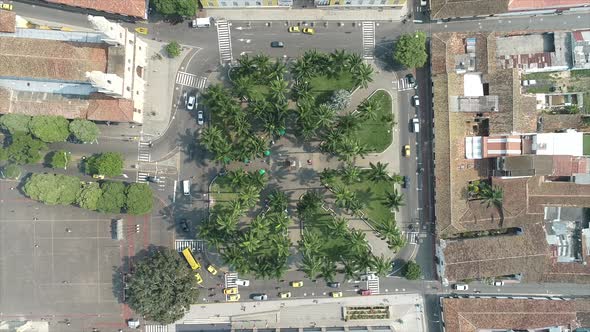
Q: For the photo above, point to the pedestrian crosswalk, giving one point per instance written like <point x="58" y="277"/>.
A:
<point x="368" y="30"/>
<point x="403" y="84"/>
<point x="156" y="328"/>
<point x="191" y="80"/>
<point x="224" y="41"/>
<point x="195" y="245"/>
<point x="230" y="279"/>
<point x="373" y="283"/>
<point x="144" y="152"/>
<point x="412" y="237"/>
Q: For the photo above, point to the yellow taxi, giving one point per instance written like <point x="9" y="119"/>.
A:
<point x="308" y="31"/>
<point x="98" y="176"/>
<point x="407" y="150"/>
<point x="232" y="290"/>
<point x="212" y="269"/>
<point x="296" y="284"/>
<point x="294" y="29"/>
<point x="6" y="6"/>
<point x="336" y="294"/>
<point x="199" y="278"/>
<point x="143" y="31"/>
<point x="285" y="295"/>
<point x="233" y="298"/>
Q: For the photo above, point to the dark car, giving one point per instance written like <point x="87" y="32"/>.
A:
<point x="406" y="182"/>
<point x="411" y="79"/>
<point x="334" y="284"/>
<point x="277" y="44"/>
<point x="184" y="225"/>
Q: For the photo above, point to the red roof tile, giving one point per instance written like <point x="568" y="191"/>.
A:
<point x="539" y="4"/>
<point x="7" y="21"/>
<point x="136" y="8"/>
<point x="103" y="108"/>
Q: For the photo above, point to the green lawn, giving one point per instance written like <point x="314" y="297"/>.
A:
<point x="322" y="87"/>
<point x="580" y="73"/>
<point x="260" y="91"/>
<point x="371" y="194"/>
<point x="332" y="246"/>
<point x="376" y="134"/>
<point x="222" y="192"/>
<point x="586" y="147"/>
<point x="540" y="76"/>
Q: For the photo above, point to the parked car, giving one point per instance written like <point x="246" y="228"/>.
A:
<point x="199" y="278"/>
<point x="336" y="294"/>
<point x="190" y="104"/>
<point x="243" y="282"/>
<point x="200" y="118"/>
<point x="234" y="298"/>
<point x="416" y="125"/>
<point x="407" y="150"/>
<point x="6" y="6"/>
<point x="416" y="100"/>
<point x="308" y="31"/>
<point x="98" y="176"/>
<point x="499" y="283"/>
<point x="461" y="287"/>
<point x="212" y="269"/>
<point x="184" y="225"/>
<point x="296" y="284"/>
<point x="365" y="292"/>
<point x="259" y="297"/>
<point x="406" y="182"/>
<point x="334" y="284"/>
<point x="411" y="79"/>
<point x="152" y="179"/>
<point x="423" y="3"/>
<point x="294" y="29"/>
<point x="285" y="295"/>
<point x="277" y="44"/>
<point x="231" y="290"/>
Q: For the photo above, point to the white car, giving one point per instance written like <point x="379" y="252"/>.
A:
<point x="200" y="119"/>
<point x="243" y="282"/>
<point x="416" y="125"/>
<point x="190" y="104"/>
<point x="461" y="287"/>
<point x="416" y="100"/>
<point x="499" y="283"/>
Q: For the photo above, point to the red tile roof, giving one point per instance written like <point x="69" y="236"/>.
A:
<point x="7" y="21"/>
<point x="135" y="8"/>
<point x="540" y="4"/>
<point x="103" y="108"/>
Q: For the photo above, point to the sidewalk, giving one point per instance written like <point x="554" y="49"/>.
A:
<point x="309" y="14"/>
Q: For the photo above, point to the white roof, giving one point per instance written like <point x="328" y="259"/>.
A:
<point x="472" y="86"/>
<point x="564" y="144"/>
<point x="473" y="147"/>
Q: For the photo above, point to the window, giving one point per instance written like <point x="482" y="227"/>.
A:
<point x="258" y="3"/>
<point x="383" y="2"/>
<point x="348" y="2"/>
<point x="269" y="2"/>
<point x="223" y="3"/>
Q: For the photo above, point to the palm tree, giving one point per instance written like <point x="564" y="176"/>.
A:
<point x="327" y="176"/>
<point x="278" y="89"/>
<point x="339" y="60"/>
<point x="277" y="71"/>
<point x="237" y="178"/>
<point x="236" y="208"/>
<point x="243" y="87"/>
<point x="311" y="242"/>
<point x="354" y="62"/>
<point x="309" y="204"/>
<point x="311" y="265"/>
<point x="325" y="115"/>
<point x="211" y="137"/>
<point x="343" y="196"/>
<point x="394" y="200"/>
<point x="338" y="226"/>
<point x="350" y="269"/>
<point x="355" y="205"/>
<point x="348" y="123"/>
<point x="241" y="125"/>
<point x="233" y="256"/>
<point x="301" y="69"/>
<point x="363" y="75"/>
<point x="358" y="242"/>
<point x="282" y="245"/>
<point x="328" y="270"/>
<point x="278" y="200"/>
<point x="351" y="174"/>
<point x="369" y="109"/>
<point x="246" y="66"/>
<point x="492" y="196"/>
<point x="257" y="180"/>
<point x="223" y="151"/>
<point x="378" y="172"/>
<point x="302" y="90"/>
<point x="226" y="223"/>
<point x="249" y="196"/>
<point x="332" y="141"/>
<point x="381" y="265"/>
<point x="397" y="178"/>
<point x="214" y="94"/>
<point x="249" y="242"/>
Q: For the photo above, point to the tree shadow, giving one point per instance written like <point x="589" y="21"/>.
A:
<point x="365" y="196"/>
<point x="384" y="53"/>
<point x="307" y="175"/>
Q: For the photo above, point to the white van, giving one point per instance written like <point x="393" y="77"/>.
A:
<point x="423" y="3"/>
<point x="186" y="187"/>
<point x="415" y="125"/>
<point x="203" y="22"/>
<point x="461" y="287"/>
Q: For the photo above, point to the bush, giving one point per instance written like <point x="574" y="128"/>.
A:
<point x="89" y="196"/>
<point x="50" y="128"/>
<point x="340" y="100"/>
<point x="412" y="271"/>
<point x="176" y="7"/>
<point x="12" y="171"/>
<point x="84" y="130"/>
<point x="107" y="164"/>
<point x="410" y="50"/>
<point x="173" y="49"/>
<point x="16" y="123"/>
<point x="53" y="189"/>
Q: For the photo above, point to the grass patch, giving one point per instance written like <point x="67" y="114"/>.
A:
<point x="371" y="194"/>
<point x="222" y="192"/>
<point x="260" y="91"/>
<point x="323" y="86"/>
<point x="540" y="76"/>
<point x="333" y="245"/>
<point x="580" y="73"/>
<point x="539" y="89"/>
<point x="376" y="134"/>
<point x="586" y="147"/>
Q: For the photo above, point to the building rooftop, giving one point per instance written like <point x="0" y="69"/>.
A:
<point x="463" y="8"/>
<point x="479" y="314"/>
<point x="517" y="5"/>
<point x="135" y="8"/>
<point x="50" y="59"/>
<point x="7" y="21"/>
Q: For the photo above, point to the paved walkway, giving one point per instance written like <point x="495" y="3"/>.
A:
<point x="308" y="14"/>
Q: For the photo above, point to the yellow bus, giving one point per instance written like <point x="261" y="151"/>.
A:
<point x="188" y="255"/>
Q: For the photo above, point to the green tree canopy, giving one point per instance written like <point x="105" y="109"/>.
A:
<point x="410" y="50"/>
<point x="173" y="48"/>
<point x="107" y="163"/>
<point x="60" y="159"/>
<point x="113" y="197"/>
<point x="412" y="271"/>
<point x="53" y="188"/>
<point x="84" y="130"/>
<point x="139" y="199"/>
<point x="15" y="123"/>
<point x="12" y="171"/>
<point x="24" y="149"/>
<point x="163" y="287"/>
<point x="49" y="128"/>
<point x="89" y="196"/>
<point x="176" y="7"/>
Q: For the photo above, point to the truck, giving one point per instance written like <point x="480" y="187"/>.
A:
<point x="202" y="22"/>
<point x="186" y="187"/>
